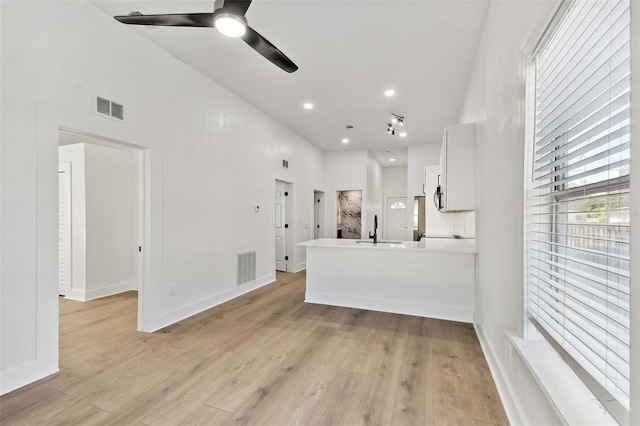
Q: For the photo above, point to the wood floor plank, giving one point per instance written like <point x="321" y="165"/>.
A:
<point x="347" y="401"/>
<point x="298" y="400"/>
<point x="266" y="358"/>
<point x="413" y="403"/>
<point x="305" y="375"/>
<point x="202" y="415"/>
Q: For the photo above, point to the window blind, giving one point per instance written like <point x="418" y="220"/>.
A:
<point x="578" y="215"/>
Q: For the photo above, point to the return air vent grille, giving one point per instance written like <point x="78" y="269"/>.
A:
<point x="117" y="111"/>
<point x="109" y="108"/>
<point x="246" y="267"/>
<point x="104" y="106"/>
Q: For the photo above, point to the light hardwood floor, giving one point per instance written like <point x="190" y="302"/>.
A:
<point x="264" y="358"/>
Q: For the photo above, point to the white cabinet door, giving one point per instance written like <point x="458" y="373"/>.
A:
<point x="457" y="168"/>
<point x="437" y="224"/>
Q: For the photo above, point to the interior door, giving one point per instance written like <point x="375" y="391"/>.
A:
<point x="64" y="227"/>
<point x="281" y="227"/>
<point x="396" y="223"/>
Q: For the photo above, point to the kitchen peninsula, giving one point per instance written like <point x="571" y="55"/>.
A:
<point x="428" y="278"/>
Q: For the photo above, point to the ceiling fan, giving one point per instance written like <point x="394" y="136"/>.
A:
<point x="228" y="18"/>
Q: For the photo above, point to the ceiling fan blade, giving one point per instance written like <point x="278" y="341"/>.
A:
<point x="237" y="7"/>
<point x="268" y="50"/>
<point x="170" y="20"/>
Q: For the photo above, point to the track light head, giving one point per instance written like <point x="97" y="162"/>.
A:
<point x="397" y="119"/>
<point x="390" y="129"/>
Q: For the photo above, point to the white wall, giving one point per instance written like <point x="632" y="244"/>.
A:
<point x="209" y="159"/>
<point x="420" y="156"/>
<point x="495" y="102"/>
<point x="374" y="195"/>
<point x="112" y="220"/>
<point x="344" y="170"/>
<point x="394" y="180"/>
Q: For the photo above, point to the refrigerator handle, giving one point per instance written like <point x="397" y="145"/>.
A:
<point x="437" y="200"/>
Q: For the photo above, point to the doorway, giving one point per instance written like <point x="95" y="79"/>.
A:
<point x="102" y="190"/>
<point x="396" y="225"/>
<point x="282" y="192"/>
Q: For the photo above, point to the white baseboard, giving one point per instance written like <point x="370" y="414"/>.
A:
<point x="393" y="306"/>
<point x="25" y="374"/>
<point x="511" y="406"/>
<point x="176" y="315"/>
<point x="300" y="267"/>
<point x="96" y="293"/>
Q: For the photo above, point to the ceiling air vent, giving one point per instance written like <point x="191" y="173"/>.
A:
<point x="109" y="108"/>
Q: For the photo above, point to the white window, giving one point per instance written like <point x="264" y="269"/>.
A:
<point x="578" y="281"/>
<point x="398" y="205"/>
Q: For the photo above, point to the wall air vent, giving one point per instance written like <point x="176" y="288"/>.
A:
<point x="117" y="111"/>
<point x="109" y="108"/>
<point x="246" y="267"/>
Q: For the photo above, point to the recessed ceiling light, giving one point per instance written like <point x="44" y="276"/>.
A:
<point x="403" y="134"/>
<point x="345" y="140"/>
<point x="308" y="105"/>
<point x="392" y="159"/>
<point x="389" y="92"/>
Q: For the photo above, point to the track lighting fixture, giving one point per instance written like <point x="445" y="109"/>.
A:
<point x="395" y="120"/>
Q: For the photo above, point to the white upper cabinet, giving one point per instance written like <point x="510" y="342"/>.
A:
<point x="456" y="190"/>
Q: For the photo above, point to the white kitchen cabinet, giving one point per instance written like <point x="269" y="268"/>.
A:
<point x="457" y="169"/>
<point x="437" y="224"/>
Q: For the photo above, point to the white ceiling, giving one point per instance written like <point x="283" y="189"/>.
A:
<point x="348" y="54"/>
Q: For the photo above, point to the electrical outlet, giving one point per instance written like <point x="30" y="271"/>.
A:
<point x="172" y="289"/>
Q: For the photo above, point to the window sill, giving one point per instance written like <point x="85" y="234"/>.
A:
<point x="572" y="400"/>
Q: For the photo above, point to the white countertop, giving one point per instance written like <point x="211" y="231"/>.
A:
<point x="441" y="245"/>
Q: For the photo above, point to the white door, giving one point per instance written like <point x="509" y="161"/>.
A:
<point x="281" y="227"/>
<point x="64" y="227"/>
<point x="396" y="223"/>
